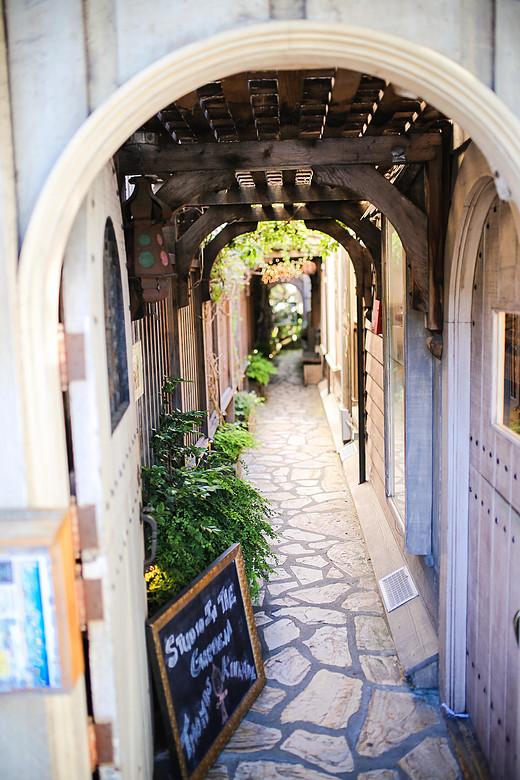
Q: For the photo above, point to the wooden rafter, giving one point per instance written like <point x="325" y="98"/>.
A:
<point x="346" y="84"/>
<point x="350" y="214"/>
<point x="238" y="98"/>
<point x="409" y="221"/>
<point x="361" y="258"/>
<point x="187" y="246"/>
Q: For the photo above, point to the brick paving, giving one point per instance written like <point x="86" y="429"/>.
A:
<point x="336" y="704"/>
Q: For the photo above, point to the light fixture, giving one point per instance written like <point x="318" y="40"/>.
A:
<point x="149" y="264"/>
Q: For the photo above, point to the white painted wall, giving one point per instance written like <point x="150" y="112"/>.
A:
<point x="12" y="466"/>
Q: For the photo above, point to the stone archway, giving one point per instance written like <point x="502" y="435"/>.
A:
<point x="293" y="44"/>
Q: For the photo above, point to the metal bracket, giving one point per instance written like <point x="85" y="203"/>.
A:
<point x="146" y="518"/>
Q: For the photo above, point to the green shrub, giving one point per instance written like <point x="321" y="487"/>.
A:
<point x="201" y="507"/>
<point x="230" y="440"/>
<point x="260" y="368"/>
<point x="245" y="405"/>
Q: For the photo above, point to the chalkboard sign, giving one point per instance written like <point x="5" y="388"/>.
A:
<point x="206" y="662"/>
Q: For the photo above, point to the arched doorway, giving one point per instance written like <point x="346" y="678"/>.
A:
<point x="288" y="45"/>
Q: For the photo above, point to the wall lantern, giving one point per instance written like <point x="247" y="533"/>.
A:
<point x="149" y="264"/>
<point x="309" y="267"/>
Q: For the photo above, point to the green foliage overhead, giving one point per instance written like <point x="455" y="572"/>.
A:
<point x="201" y="507"/>
<point x="260" y="368"/>
<point x="246" y="252"/>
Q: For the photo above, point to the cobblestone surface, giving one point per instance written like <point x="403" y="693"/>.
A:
<point x="336" y="704"/>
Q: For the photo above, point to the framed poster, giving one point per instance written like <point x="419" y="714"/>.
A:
<point x="206" y="662"/>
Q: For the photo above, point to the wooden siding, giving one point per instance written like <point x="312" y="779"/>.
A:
<point x="188" y="358"/>
<point x="375" y="409"/>
<point x="153" y="333"/>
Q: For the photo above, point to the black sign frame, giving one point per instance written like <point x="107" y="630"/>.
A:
<point x="204" y="714"/>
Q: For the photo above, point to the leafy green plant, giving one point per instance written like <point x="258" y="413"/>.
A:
<point x="230" y="440"/>
<point x="201" y="507"/>
<point x="245" y="405"/>
<point x="260" y="368"/>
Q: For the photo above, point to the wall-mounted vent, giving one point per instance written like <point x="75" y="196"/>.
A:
<point x="397" y="588"/>
<point x="348" y="450"/>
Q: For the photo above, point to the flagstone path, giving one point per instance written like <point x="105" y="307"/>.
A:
<point x="336" y="704"/>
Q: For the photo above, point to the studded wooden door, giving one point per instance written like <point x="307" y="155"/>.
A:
<point x="105" y="462"/>
<point x="493" y="654"/>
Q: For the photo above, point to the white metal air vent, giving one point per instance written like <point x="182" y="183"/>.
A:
<point x="348" y="450"/>
<point x="397" y="588"/>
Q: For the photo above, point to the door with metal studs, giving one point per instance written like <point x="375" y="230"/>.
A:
<point x="493" y="652"/>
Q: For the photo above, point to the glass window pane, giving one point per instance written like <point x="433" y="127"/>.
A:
<point x="396" y="285"/>
<point x="117" y="366"/>
<point x="511" y="408"/>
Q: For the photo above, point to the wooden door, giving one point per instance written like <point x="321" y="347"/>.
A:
<point x="105" y="461"/>
<point x="493" y="654"/>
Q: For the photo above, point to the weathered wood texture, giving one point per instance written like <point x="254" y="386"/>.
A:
<point x="374" y="345"/>
<point x="180" y="189"/>
<point x="265" y="194"/>
<point x="153" y="331"/>
<point x="139" y="158"/>
<point x="351" y="214"/>
<point x="409" y="221"/>
<point x="492" y="667"/>
<point x="437" y="197"/>
<point x="187" y="245"/>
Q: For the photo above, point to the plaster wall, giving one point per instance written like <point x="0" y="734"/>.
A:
<point x="12" y="472"/>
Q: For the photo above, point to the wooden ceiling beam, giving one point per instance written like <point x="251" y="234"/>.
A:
<point x="385" y="110"/>
<point x="134" y="159"/>
<point x="350" y="214"/>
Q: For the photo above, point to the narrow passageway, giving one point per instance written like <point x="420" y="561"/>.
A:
<point x="336" y="703"/>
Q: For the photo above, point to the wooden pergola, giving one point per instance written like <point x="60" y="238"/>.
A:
<point x="330" y="147"/>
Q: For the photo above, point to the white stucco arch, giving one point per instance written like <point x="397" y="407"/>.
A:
<point x="294" y="44"/>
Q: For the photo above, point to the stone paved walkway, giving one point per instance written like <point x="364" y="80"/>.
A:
<point x="336" y="704"/>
